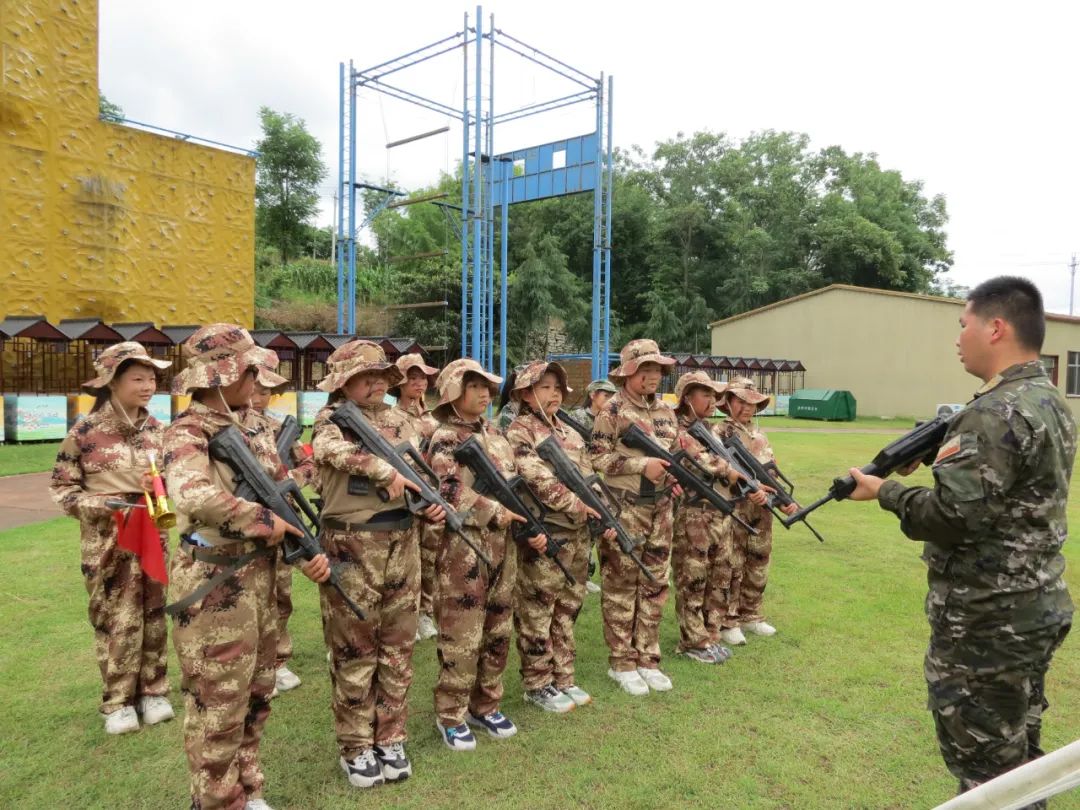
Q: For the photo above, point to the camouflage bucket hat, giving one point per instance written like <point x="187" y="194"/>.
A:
<point x="637" y="352"/>
<point x="106" y="363"/>
<point x="351" y="359"/>
<point x="601" y="385"/>
<point x="216" y="355"/>
<point x="531" y="373"/>
<point x="266" y="363"/>
<point x="744" y="389"/>
<point x="407" y="362"/>
<point x="692" y="378"/>
<point x="450" y="382"/>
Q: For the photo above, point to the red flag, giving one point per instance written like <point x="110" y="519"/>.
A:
<point x="136" y="533"/>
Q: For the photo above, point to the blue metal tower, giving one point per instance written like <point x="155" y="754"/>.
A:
<point x="491" y="182"/>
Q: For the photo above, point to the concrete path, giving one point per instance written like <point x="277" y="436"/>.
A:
<point x="25" y="499"/>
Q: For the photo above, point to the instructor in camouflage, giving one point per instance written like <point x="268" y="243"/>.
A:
<point x="993" y="526"/>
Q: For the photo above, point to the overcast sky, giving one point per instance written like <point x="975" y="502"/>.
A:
<point x="978" y="101"/>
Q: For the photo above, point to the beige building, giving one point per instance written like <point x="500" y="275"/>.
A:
<point x="896" y="352"/>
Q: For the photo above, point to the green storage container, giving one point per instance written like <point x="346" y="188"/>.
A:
<point x="822" y="403"/>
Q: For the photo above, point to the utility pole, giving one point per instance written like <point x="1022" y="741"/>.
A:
<point x="1072" y="282"/>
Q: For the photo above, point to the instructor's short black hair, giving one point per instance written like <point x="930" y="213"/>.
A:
<point x="1015" y="300"/>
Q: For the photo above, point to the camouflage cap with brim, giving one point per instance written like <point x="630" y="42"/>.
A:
<point x="406" y="363"/>
<point x="266" y="363"/>
<point x="601" y="385"/>
<point x="530" y="374"/>
<point x="356" y="357"/>
<point x="451" y="383"/>
<point x="217" y="355"/>
<point x="106" y="363"/>
<point x="692" y="378"/>
<point x="744" y="389"/>
<point x="637" y="352"/>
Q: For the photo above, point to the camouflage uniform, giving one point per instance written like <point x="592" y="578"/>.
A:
<point x="701" y="550"/>
<point x="376" y="546"/>
<point x="546" y="605"/>
<point x="102" y="456"/>
<point x="993" y="526"/>
<point x="507" y="414"/>
<point x="583" y="416"/>
<point x="473" y="602"/>
<point x="424" y="424"/>
<point x="226" y="638"/>
<point x="750" y="555"/>
<point x="632" y="605"/>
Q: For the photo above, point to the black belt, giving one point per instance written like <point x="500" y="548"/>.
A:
<point x="392" y="520"/>
<point x="231" y="562"/>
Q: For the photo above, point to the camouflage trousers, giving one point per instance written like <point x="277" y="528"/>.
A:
<point x="632" y="605"/>
<point x="283" y="592"/>
<point x="987" y="697"/>
<point x="371" y="660"/>
<point x="127" y="612"/>
<point x="473" y="609"/>
<point x="749" y="566"/>
<point x="429" y="548"/>
<point x="701" y="563"/>
<point x="226" y="644"/>
<point x="546" y="607"/>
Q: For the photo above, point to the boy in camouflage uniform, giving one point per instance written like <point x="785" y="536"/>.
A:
<point x="473" y="601"/>
<point x="750" y="554"/>
<point x="993" y="525"/>
<point x="630" y="603"/>
<point x="106" y="456"/>
<point x="546" y="605"/>
<point x="368" y="531"/>
<point x="225" y="616"/>
<point x="701" y="554"/>
<point x="303" y="471"/>
<point x="410" y="400"/>
<point x="597" y="394"/>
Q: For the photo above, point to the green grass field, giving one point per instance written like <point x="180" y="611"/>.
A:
<point x="860" y="423"/>
<point x="827" y="714"/>
<point x="16" y="459"/>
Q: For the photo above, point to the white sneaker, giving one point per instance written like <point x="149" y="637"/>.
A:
<point x="363" y="770"/>
<point x="656" y="680"/>
<point x="591" y="587"/>
<point x="426" y="628"/>
<point x="631" y="682"/>
<point x="550" y="699"/>
<point x="257" y="804"/>
<point x="760" y="628"/>
<point x="733" y="636"/>
<point x="155" y="709"/>
<point x="122" y="721"/>
<point x="578" y="695"/>
<point x="285" y="679"/>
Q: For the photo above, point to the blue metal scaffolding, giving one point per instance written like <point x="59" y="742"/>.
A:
<point x="490" y="182"/>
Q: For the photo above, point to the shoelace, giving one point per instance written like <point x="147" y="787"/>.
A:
<point x="365" y="758"/>
<point x="551" y="692"/>
<point x="394" y="751"/>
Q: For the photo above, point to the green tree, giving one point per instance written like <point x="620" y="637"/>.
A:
<point x="289" y="169"/>
<point x="545" y="298"/>
<point x="107" y="111"/>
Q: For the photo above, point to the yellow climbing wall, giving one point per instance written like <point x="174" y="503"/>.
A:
<point x="98" y="219"/>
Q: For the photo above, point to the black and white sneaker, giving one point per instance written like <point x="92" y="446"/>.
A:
<point x="395" y="765"/>
<point x="496" y="724"/>
<point x="363" y="770"/>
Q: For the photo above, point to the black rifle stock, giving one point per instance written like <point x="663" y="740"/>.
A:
<point x="602" y="502"/>
<point x="255" y="485"/>
<point x="768" y="474"/>
<point x="575" y="425"/>
<point x="288" y="434"/>
<point x="920" y="444"/>
<point x="407" y="461"/>
<point x="512" y="494"/>
<point x="695" y="480"/>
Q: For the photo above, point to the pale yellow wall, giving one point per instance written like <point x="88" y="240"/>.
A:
<point x="99" y="219"/>
<point x="897" y="355"/>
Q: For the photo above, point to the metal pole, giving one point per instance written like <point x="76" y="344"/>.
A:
<point x="606" y="349"/>
<point x="465" y="192"/>
<point x="489" y="207"/>
<point x="341" y="211"/>
<point x="352" y="202"/>
<point x="504" y="301"/>
<point x="598" y="187"/>
<point x="478" y="180"/>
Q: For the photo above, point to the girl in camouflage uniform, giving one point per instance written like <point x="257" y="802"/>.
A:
<point x="302" y="469"/>
<point x="750" y="555"/>
<point x="410" y="399"/>
<point x="225" y="616"/>
<point x="106" y="456"/>
<point x="370" y="533"/>
<point x="473" y="601"/>
<point x="547" y="606"/>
